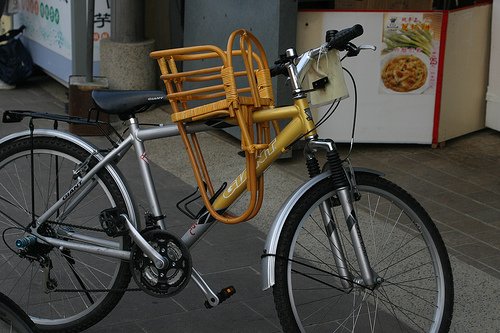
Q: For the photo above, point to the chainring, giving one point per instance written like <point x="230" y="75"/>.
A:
<point x="169" y="280"/>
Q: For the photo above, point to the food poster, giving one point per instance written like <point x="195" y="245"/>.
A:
<point x="410" y="53"/>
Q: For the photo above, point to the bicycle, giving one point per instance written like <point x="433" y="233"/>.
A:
<point x="72" y="238"/>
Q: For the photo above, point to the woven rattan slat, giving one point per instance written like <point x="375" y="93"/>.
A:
<point x="201" y="110"/>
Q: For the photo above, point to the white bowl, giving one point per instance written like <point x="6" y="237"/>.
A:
<point x="395" y="54"/>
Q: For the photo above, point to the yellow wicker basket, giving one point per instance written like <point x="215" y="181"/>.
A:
<point x="205" y="82"/>
<point x="219" y="79"/>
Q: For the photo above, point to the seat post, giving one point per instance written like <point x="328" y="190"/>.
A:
<point x="145" y="170"/>
<point x="132" y="121"/>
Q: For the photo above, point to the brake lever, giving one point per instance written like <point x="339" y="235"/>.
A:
<point x="353" y="50"/>
<point x="367" y="47"/>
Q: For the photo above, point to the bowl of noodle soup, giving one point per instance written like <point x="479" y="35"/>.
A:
<point x="405" y="73"/>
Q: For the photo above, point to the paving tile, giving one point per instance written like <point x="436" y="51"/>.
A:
<point x="420" y="186"/>
<point x="469" y="225"/>
<point x="241" y="318"/>
<point x="265" y="307"/>
<point x="495" y="224"/>
<point x="435" y="176"/>
<point x="477" y="251"/>
<point x="230" y="235"/>
<point x="455" y="238"/>
<point x="225" y="318"/>
<point x="493" y="261"/>
<point x="423" y="155"/>
<point x="136" y="306"/>
<point x="187" y="322"/>
<point x="458" y="202"/>
<point x="442" y="213"/>
<point x="486" y="180"/>
<point x="463" y="187"/>
<point x="442" y="227"/>
<point x="117" y="327"/>
<point x="486" y="215"/>
<point x="485" y="196"/>
<point x="492" y="237"/>
<point x="475" y="263"/>
<point x="401" y="163"/>
<point x="493" y="272"/>
<point x="241" y="253"/>
<point x="454" y="253"/>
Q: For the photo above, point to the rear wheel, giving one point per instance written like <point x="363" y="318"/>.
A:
<point x="415" y="292"/>
<point x="12" y="318"/>
<point x="60" y="289"/>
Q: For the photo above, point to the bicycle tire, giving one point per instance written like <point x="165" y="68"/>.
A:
<point x="411" y="258"/>
<point x="20" y="277"/>
<point x="13" y="318"/>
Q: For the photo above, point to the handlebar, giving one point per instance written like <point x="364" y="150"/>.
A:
<point x="338" y="40"/>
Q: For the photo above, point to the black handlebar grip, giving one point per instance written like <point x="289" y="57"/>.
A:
<point x="340" y="39"/>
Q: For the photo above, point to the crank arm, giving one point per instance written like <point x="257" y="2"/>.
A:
<point x="159" y="261"/>
<point x="211" y="297"/>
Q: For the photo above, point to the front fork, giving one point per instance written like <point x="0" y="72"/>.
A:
<point x="344" y="191"/>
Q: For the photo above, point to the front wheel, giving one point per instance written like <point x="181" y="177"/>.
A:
<point x="313" y="293"/>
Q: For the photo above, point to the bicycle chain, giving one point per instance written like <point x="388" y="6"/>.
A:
<point x="95" y="290"/>
<point x="76" y="226"/>
<point x="88" y="290"/>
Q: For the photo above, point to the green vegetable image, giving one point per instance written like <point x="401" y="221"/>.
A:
<point x="417" y="38"/>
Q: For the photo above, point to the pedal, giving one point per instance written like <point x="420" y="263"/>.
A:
<point x="224" y="294"/>
<point x="111" y="222"/>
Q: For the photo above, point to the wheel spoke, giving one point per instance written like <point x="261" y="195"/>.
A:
<point x="409" y="270"/>
<point x="396" y="238"/>
<point x="405" y="312"/>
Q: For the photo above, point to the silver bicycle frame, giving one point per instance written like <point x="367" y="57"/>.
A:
<point x="76" y="193"/>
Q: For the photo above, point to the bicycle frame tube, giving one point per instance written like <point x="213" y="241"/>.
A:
<point x="123" y="147"/>
<point x="145" y="170"/>
<point x="300" y="124"/>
